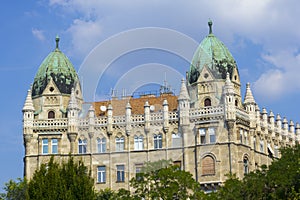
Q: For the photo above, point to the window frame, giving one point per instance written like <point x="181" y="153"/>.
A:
<point x="101" y="174"/>
<point x="45" y="146"/>
<point x="82" y="146"/>
<point x="138" y="142"/>
<point x="120" y="144"/>
<point x="202" y="135"/>
<point x="54" y="146"/>
<point x="212" y="134"/>
<point x="157" y="140"/>
<point x="101" y="145"/>
<point x="205" y="165"/>
<point x="120" y="173"/>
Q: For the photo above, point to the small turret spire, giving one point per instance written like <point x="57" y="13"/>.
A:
<point x="248" y="96"/>
<point x="57" y="41"/>
<point x="210" y="26"/>
<point x="183" y="95"/>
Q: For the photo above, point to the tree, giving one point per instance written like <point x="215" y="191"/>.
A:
<point x="162" y="180"/>
<point x="280" y="181"/>
<point x="67" y="181"/>
<point x="15" y="190"/>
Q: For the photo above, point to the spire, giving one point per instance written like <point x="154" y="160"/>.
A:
<point x="210" y="26"/>
<point x="57" y="42"/>
<point x="28" y="105"/>
<point x="183" y="95"/>
<point x="228" y="87"/>
<point x="73" y="102"/>
<point x="248" y="96"/>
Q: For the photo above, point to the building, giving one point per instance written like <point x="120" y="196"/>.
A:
<point x="209" y="129"/>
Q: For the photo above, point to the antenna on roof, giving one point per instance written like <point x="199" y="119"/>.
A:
<point x="165" y="88"/>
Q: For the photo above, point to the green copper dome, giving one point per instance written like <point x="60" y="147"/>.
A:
<point x="58" y="67"/>
<point x="213" y="54"/>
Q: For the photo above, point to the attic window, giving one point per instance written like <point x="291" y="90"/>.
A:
<point x="206" y="75"/>
<point x="207" y="102"/>
<point x="77" y="92"/>
<point x="51" y="115"/>
<point x="235" y="77"/>
<point x="51" y="89"/>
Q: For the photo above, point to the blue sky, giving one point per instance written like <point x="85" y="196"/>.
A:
<point x="263" y="37"/>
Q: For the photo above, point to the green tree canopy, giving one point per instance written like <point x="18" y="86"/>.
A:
<point x="163" y="180"/>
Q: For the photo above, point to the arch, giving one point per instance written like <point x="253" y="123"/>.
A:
<point x="51" y="114"/>
<point x="246" y="164"/>
<point x="207" y="102"/>
<point x="208" y="165"/>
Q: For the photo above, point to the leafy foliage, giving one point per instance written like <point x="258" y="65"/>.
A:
<point x="163" y="180"/>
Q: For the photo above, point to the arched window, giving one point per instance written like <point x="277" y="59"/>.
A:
<point x="207" y="102"/>
<point x="138" y="142"/>
<point x="101" y="145"/>
<point x="157" y="141"/>
<point x="51" y="114"/>
<point x="208" y="166"/>
<point x="246" y="165"/>
<point x="120" y="143"/>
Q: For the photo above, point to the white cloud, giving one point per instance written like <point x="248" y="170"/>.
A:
<point x="272" y="25"/>
<point x="85" y="36"/>
<point x="39" y="34"/>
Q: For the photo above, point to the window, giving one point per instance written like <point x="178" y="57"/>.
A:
<point x="82" y="146"/>
<point x="177" y="163"/>
<point x="45" y="146"/>
<point x="261" y="145"/>
<point x="212" y="135"/>
<point x="138" y="143"/>
<point x="208" y="166"/>
<point x="254" y="143"/>
<point x="157" y="141"/>
<point x="120" y="144"/>
<point x="246" y="137"/>
<point x="246" y="166"/>
<point x="101" y="145"/>
<point x="54" y="147"/>
<point x="202" y="136"/>
<point x="51" y="114"/>
<point x="241" y="136"/>
<point x="120" y="173"/>
<point x="138" y="170"/>
<point x="101" y="174"/>
<point x="176" y="140"/>
<point x="207" y="102"/>
<point x="276" y="151"/>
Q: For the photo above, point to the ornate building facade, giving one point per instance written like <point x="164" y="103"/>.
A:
<point x="208" y="129"/>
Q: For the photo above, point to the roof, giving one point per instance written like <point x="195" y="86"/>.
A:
<point x="213" y="54"/>
<point x="58" y="67"/>
<point x="137" y="104"/>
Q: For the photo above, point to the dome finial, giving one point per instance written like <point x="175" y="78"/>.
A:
<point x="57" y="41"/>
<point x="210" y="26"/>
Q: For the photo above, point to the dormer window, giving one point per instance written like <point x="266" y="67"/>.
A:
<point x="207" y="102"/>
<point x="51" y="114"/>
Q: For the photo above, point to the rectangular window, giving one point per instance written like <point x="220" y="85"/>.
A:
<point x="276" y="154"/>
<point x="138" y="170"/>
<point x="241" y="136"/>
<point x="138" y="143"/>
<point x="261" y="146"/>
<point x="120" y="173"/>
<point x="246" y="137"/>
<point x="176" y="140"/>
<point x="157" y="141"/>
<point x="45" y="145"/>
<point x="101" y="145"/>
<point x="202" y="134"/>
<point x="101" y="174"/>
<point x="82" y="146"/>
<point x="54" y="147"/>
<point x="212" y="135"/>
<point x="120" y="144"/>
<point x="254" y="143"/>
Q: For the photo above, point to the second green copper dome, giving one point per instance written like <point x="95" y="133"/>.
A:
<point x="213" y="54"/>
